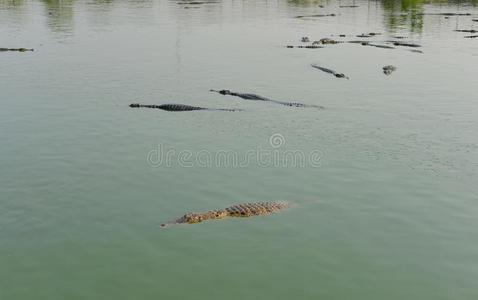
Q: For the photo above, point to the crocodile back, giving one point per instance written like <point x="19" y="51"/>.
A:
<point x="178" y="107"/>
<point x="255" y="209"/>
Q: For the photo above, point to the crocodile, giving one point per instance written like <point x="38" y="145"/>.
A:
<point x="179" y="107"/>
<point x="306" y="47"/>
<point x="198" y="2"/>
<point x="397" y="43"/>
<point x="305" y="39"/>
<point x="380" y="46"/>
<point x="363" y="35"/>
<point x="16" y="49"/>
<point x="260" y="98"/>
<point x="240" y="210"/>
<point x="466" y="30"/>
<point x="316" y="16"/>
<point x="338" y="75"/>
<point x="470" y="36"/>
<point x="326" y="41"/>
<point x="387" y="70"/>
<point x="445" y="14"/>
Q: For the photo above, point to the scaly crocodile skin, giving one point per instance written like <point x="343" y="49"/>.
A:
<point x="241" y="210"/>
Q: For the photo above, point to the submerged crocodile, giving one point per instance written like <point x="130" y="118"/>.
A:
<point x="16" y="49"/>
<point x="397" y="43"/>
<point x="260" y="98"/>
<point x="446" y="14"/>
<point x="466" y="30"/>
<point x="313" y="46"/>
<point x="179" y="107"/>
<point x="198" y="2"/>
<point x="241" y="210"/>
<point x="387" y="70"/>
<point x="326" y="41"/>
<point x="338" y="75"/>
<point x="316" y="16"/>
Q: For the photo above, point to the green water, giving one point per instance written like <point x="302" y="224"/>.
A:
<point x="386" y="209"/>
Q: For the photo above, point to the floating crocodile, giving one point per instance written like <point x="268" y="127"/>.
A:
<point x="387" y="70"/>
<point x="16" y="49"/>
<point x="179" y="107"/>
<point x="381" y="46"/>
<point x="306" y="47"/>
<point x="348" y="6"/>
<point x="446" y="14"/>
<point x="198" y="2"/>
<point x="241" y="210"/>
<point x="467" y="30"/>
<point x="326" y="41"/>
<point x="260" y="98"/>
<point x="305" y="39"/>
<point x="338" y="75"/>
<point x="470" y="36"/>
<point x="367" y="43"/>
<point x="397" y="43"/>
<point x="316" y="16"/>
<point x="475" y="20"/>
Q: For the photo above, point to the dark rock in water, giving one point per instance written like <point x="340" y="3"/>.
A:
<point x="316" y="16"/>
<point x="305" y="39"/>
<point x="467" y="30"/>
<point x="16" y="49"/>
<point x="326" y="70"/>
<point x="255" y="97"/>
<point x="387" y="70"/>
<point x="178" y="107"/>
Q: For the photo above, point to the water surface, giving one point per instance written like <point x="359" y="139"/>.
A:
<point x="388" y="211"/>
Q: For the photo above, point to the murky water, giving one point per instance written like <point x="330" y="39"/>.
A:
<point x="384" y="178"/>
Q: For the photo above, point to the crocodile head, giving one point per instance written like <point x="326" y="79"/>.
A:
<point x="199" y="217"/>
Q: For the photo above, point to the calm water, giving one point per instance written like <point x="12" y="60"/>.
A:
<point x="386" y="210"/>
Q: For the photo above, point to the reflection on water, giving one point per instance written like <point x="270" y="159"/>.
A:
<point x="397" y="14"/>
<point x="60" y="15"/>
